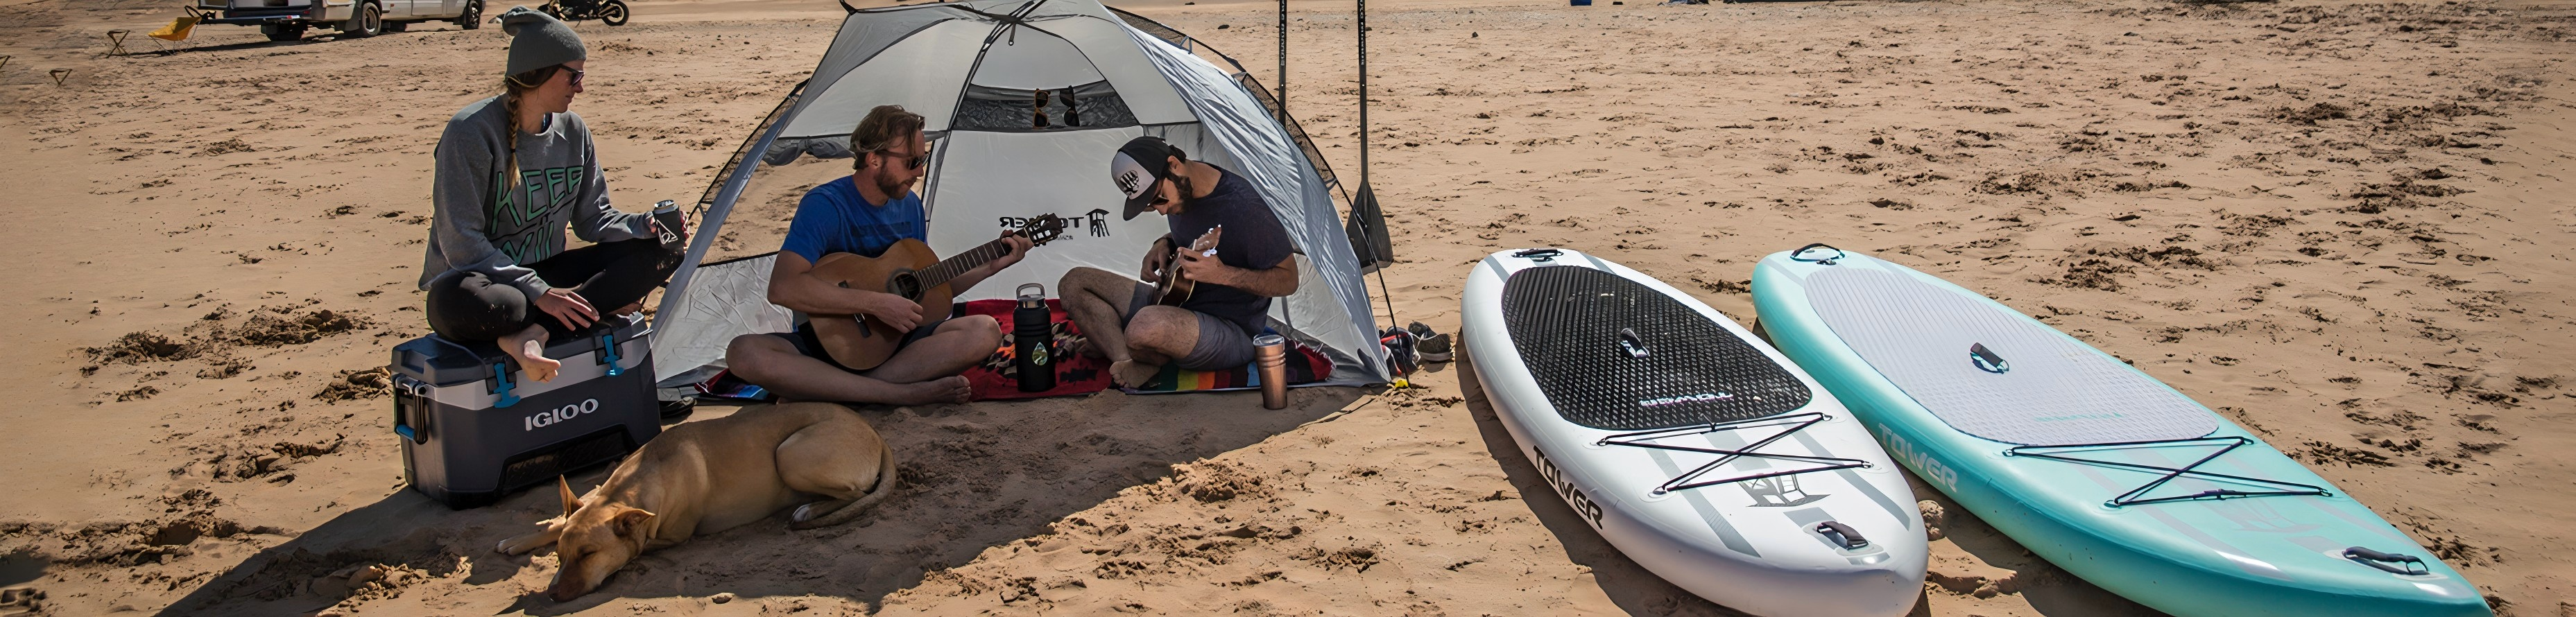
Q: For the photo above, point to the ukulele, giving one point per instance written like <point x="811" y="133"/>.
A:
<point x="1172" y="289"/>
<point x="910" y="270"/>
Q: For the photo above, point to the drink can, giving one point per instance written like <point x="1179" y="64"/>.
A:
<point x="667" y="221"/>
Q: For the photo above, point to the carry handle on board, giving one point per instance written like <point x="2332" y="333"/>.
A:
<point x="1838" y="253"/>
<point x="1842" y="534"/>
<point x="1630" y="342"/>
<point x="1538" y="254"/>
<point x="2391" y="562"/>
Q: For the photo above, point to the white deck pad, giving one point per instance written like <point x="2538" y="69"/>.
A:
<point x="2050" y="391"/>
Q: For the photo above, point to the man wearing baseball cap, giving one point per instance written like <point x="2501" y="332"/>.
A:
<point x="1237" y="258"/>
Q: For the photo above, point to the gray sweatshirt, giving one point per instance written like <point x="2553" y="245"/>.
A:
<point x="475" y="227"/>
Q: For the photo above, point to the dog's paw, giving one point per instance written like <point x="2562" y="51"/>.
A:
<point x="803" y="513"/>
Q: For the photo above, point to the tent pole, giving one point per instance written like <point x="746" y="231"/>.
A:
<point x="1283" y="62"/>
<point x="1365" y="191"/>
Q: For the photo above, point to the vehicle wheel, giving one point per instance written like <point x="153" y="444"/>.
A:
<point x="369" y="21"/>
<point x="473" y="16"/>
<point x="613" y="12"/>
<point x="282" y="33"/>
<point x="397" y="26"/>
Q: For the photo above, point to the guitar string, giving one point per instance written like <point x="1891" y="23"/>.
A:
<point x="946" y="269"/>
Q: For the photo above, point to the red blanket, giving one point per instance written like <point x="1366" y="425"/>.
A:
<point x="998" y="377"/>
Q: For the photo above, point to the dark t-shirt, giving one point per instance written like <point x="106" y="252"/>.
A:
<point x="1253" y="240"/>
<point x="833" y="218"/>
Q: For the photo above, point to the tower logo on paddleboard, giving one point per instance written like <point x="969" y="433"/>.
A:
<point x="1686" y="398"/>
<point x="1986" y="360"/>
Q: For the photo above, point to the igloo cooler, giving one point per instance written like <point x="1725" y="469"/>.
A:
<point x="473" y="427"/>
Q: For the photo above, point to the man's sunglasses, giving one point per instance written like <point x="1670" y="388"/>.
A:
<point x="913" y="163"/>
<point x="1159" y="199"/>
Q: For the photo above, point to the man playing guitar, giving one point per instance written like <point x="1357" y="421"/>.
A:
<point x="864" y="214"/>
<point x="1230" y="299"/>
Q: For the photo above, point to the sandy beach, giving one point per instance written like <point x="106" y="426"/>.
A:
<point x="2343" y="225"/>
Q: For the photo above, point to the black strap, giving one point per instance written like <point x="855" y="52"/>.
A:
<point x="1690" y="479"/>
<point x="2136" y="496"/>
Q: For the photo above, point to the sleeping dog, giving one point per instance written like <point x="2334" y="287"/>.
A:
<point x="706" y="477"/>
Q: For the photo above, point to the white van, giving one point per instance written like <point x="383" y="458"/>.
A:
<point x="286" y="20"/>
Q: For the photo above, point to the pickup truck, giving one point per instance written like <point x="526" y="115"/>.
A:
<point x="286" y="20"/>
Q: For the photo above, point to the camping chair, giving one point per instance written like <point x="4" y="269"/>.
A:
<point x="180" y="27"/>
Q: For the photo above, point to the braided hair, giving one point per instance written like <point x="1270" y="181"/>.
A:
<point x="514" y="88"/>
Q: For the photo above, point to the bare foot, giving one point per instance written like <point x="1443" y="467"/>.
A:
<point x="951" y="389"/>
<point x="1088" y="349"/>
<point x="1132" y="374"/>
<point x="529" y="348"/>
<point x="629" y="309"/>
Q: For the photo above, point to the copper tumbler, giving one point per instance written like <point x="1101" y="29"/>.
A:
<point x="1273" y="360"/>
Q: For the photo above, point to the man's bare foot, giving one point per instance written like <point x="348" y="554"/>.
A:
<point x="529" y="348"/>
<point x="951" y="389"/>
<point x="1132" y="374"/>
<point x="1089" y="349"/>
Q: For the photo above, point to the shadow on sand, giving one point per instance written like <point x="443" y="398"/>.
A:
<point x="974" y="476"/>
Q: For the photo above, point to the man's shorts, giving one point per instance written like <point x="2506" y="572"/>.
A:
<point x="806" y="343"/>
<point x="1222" y="344"/>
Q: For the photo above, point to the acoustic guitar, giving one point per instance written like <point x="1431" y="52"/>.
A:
<point x="908" y="269"/>
<point x="1172" y="289"/>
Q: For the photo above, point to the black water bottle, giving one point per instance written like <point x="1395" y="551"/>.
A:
<point x="1033" y="334"/>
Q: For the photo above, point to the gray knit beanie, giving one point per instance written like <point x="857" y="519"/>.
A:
<point x="538" y="40"/>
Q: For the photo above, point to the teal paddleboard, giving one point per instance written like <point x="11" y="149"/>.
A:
<point x="2089" y="463"/>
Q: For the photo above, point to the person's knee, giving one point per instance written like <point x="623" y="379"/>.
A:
<point x="1079" y="278"/>
<point x="468" y="306"/>
<point x="749" y="355"/>
<point x="1160" y="328"/>
<point x="981" y="330"/>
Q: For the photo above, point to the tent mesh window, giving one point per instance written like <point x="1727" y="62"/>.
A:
<point x="1572" y="325"/>
<point x="1089" y="106"/>
<point x="716" y="183"/>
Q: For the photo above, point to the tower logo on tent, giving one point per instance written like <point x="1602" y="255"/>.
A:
<point x="1097" y="220"/>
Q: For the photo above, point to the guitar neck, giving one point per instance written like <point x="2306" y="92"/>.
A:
<point x="940" y="273"/>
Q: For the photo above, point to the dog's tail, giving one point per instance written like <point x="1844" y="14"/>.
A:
<point x="885" y="486"/>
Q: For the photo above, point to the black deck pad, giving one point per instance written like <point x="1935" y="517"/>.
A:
<point x="1566" y="321"/>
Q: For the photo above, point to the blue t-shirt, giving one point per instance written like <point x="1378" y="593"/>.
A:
<point x="833" y="218"/>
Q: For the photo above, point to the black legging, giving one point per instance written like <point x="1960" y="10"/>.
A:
<point x="469" y="306"/>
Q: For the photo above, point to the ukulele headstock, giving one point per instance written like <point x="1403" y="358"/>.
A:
<point x="1042" y="229"/>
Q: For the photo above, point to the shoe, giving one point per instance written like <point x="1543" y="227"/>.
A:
<point x="1398" y="344"/>
<point x="1428" y="344"/>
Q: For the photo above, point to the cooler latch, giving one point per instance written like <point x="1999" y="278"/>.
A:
<point x="608" y="353"/>
<point x="501" y="385"/>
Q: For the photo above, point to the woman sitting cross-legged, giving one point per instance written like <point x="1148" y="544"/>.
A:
<point x="514" y="171"/>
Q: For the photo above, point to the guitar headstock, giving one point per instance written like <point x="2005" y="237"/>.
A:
<point x="1042" y="229"/>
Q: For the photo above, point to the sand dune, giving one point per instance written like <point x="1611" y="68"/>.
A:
<point x="2340" y="224"/>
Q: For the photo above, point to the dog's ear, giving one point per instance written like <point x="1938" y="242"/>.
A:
<point x="571" y="502"/>
<point x="628" y="522"/>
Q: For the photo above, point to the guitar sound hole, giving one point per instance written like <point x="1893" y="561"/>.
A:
<point x="904" y="284"/>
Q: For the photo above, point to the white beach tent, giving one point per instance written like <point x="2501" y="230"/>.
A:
<point x="974" y="70"/>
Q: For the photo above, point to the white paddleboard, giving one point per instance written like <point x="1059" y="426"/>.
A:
<point x="1698" y="450"/>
